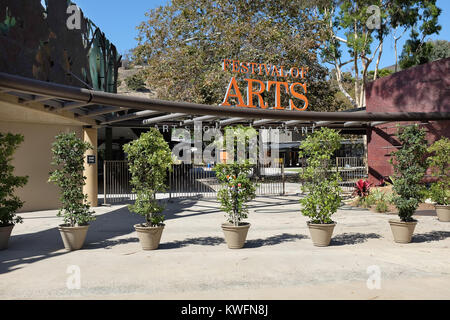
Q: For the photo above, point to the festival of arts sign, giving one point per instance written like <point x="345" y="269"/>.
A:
<point x="270" y="70"/>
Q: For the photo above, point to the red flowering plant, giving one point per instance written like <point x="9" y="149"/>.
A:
<point x="237" y="190"/>
<point x="362" y="190"/>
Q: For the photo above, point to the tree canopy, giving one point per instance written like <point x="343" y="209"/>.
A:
<point x="185" y="42"/>
<point x="361" y="27"/>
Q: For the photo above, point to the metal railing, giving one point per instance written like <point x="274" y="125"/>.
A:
<point x="187" y="181"/>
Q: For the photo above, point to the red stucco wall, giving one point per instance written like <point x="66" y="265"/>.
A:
<point x="424" y="88"/>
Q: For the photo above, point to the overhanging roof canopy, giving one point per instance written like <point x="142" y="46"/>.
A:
<point x="106" y="109"/>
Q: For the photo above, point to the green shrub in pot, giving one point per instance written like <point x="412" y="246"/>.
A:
<point x="321" y="183"/>
<point x="69" y="156"/>
<point x="439" y="162"/>
<point x="410" y="166"/>
<point x="9" y="201"/>
<point x="149" y="160"/>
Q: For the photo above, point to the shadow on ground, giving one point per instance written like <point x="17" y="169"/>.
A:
<point x="215" y="241"/>
<point x="202" y="241"/>
<point x="430" y="236"/>
<point x="352" y="238"/>
<point x="274" y="240"/>
<point x="32" y="247"/>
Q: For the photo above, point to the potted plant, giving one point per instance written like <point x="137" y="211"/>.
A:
<point x="236" y="191"/>
<point x="321" y="183"/>
<point x="410" y="165"/>
<point x="362" y="190"/>
<point x="69" y="155"/>
<point x="9" y="202"/>
<point x="439" y="161"/>
<point x="149" y="159"/>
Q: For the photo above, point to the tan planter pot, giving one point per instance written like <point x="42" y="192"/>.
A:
<point x="235" y="235"/>
<point x="443" y="212"/>
<point x="5" y="233"/>
<point x="73" y="237"/>
<point x="402" y="231"/>
<point x="149" y="237"/>
<point x="321" y="233"/>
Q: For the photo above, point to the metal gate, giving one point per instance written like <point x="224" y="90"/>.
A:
<point x="187" y="181"/>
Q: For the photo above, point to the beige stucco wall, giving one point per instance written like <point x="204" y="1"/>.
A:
<point x="33" y="157"/>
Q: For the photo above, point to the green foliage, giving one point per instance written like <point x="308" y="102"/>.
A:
<point x="415" y="52"/>
<point x="410" y="165"/>
<point x="237" y="189"/>
<point x="136" y="82"/>
<point x="364" y="44"/>
<point x="9" y="202"/>
<point x="320" y="180"/>
<point x="69" y="155"/>
<point x="149" y="160"/>
<point x="381" y="206"/>
<point x="381" y="200"/>
<point x="439" y="161"/>
<point x="367" y="201"/>
<point x="184" y="44"/>
<point x="382" y="73"/>
<point x="441" y="50"/>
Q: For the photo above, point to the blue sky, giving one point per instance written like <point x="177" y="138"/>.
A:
<point x="118" y="19"/>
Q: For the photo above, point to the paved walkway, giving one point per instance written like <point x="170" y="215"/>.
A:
<point x="193" y="262"/>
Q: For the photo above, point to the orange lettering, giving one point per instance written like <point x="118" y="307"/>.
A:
<point x="237" y="94"/>
<point x="225" y="64"/>
<point x="298" y="96"/>
<point x="251" y="93"/>
<point x="244" y="67"/>
<point x="277" y="92"/>
<point x="265" y="68"/>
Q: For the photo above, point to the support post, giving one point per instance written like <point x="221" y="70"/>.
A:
<point x="91" y="169"/>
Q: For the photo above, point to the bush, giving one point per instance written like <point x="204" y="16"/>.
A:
<point x="410" y="165"/>
<point x="439" y="161"/>
<point x="381" y="206"/>
<point x="136" y="82"/>
<point x="69" y="154"/>
<point x="237" y="189"/>
<point x="9" y="202"/>
<point x="149" y="160"/>
<point x="320" y="180"/>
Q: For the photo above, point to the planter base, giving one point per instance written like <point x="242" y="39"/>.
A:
<point x="321" y="233"/>
<point x="149" y="237"/>
<point x="73" y="237"/>
<point x="402" y="231"/>
<point x="443" y="213"/>
<point x="235" y="235"/>
<point x="5" y="233"/>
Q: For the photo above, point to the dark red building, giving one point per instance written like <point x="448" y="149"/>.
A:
<point x="425" y="88"/>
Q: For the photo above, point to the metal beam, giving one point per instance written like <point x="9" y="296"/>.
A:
<point x="37" y="99"/>
<point x="204" y="118"/>
<point x="294" y="122"/>
<point x="75" y="105"/>
<point x="163" y="118"/>
<point x="130" y="116"/>
<point x="323" y="123"/>
<point x="353" y="123"/>
<point x="264" y="121"/>
<point x="32" y="86"/>
<point x="103" y="110"/>
<point x="377" y="123"/>
<point x="232" y="120"/>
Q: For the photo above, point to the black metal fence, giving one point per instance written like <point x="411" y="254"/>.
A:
<point x="186" y="181"/>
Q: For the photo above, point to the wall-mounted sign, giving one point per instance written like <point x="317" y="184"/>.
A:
<point x="91" y="159"/>
<point x="281" y="75"/>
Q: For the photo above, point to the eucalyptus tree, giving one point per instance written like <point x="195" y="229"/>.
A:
<point x="362" y="26"/>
